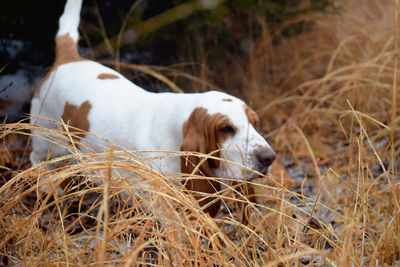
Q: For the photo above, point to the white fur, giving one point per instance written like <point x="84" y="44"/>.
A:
<point x="69" y="20"/>
<point x="136" y="119"/>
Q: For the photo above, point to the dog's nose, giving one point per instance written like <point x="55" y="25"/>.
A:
<point x="266" y="157"/>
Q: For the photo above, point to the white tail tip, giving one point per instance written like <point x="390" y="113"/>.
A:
<point x="69" y="20"/>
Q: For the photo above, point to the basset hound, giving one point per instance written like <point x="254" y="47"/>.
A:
<point x="97" y="99"/>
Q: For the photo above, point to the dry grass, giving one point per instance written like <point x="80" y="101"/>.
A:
<point x="109" y="208"/>
<point x="334" y="97"/>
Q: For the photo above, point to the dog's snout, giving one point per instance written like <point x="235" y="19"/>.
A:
<point x="266" y="157"/>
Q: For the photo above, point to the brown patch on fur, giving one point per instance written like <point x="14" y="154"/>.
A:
<point x="227" y="99"/>
<point x="201" y="133"/>
<point x="251" y="115"/>
<point x="104" y="76"/>
<point x="66" y="52"/>
<point x="77" y="116"/>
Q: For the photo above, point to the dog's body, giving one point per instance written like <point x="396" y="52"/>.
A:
<point x="97" y="99"/>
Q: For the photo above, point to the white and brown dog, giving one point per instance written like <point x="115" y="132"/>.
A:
<point x="98" y="99"/>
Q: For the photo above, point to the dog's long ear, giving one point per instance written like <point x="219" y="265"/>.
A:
<point x="200" y="135"/>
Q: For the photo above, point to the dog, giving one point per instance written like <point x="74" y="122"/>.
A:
<point x="97" y="99"/>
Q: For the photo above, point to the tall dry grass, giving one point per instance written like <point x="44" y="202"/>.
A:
<point x="111" y="208"/>
<point x="328" y="100"/>
<point x="336" y="106"/>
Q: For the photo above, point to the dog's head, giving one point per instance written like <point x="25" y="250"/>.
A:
<point x="224" y="127"/>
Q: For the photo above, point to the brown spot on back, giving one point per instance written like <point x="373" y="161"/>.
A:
<point x="77" y="116"/>
<point x="66" y="52"/>
<point x="227" y="99"/>
<point x="201" y="133"/>
<point x="104" y="76"/>
<point x="251" y="115"/>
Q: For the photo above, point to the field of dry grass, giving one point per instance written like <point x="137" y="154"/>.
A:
<point x="328" y="100"/>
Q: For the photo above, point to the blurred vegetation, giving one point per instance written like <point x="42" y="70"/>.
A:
<point x="169" y="31"/>
<point x="216" y="26"/>
<point x="206" y="33"/>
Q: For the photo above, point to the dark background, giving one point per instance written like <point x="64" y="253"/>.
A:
<point x="27" y="30"/>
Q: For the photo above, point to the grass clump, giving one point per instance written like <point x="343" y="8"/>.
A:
<point x="111" y="208"/>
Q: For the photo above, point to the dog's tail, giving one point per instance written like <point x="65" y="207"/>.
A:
<point x="69" y="20"/>
<point x="68" y="35"/>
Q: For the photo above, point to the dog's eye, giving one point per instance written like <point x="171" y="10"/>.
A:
<point x="227" y="130"/>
